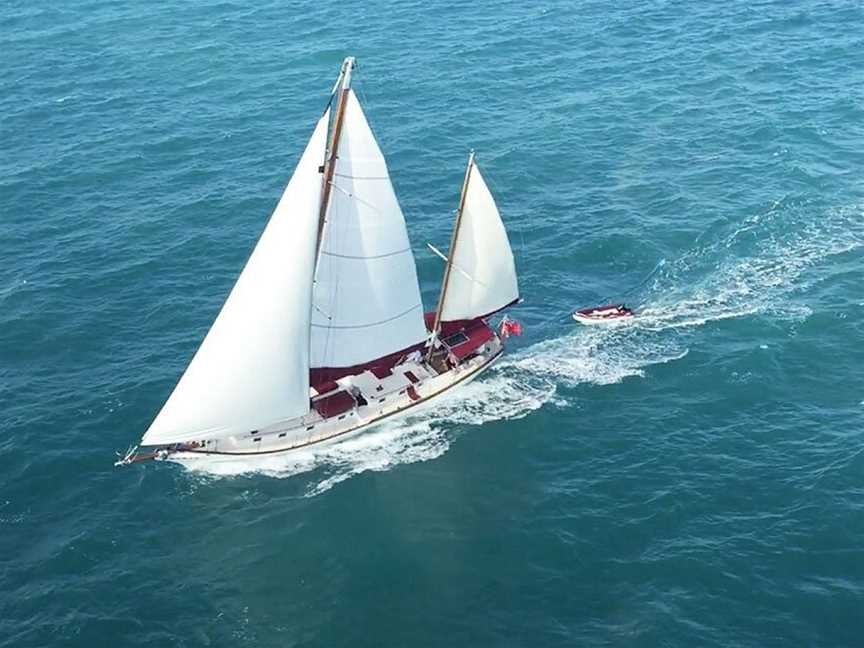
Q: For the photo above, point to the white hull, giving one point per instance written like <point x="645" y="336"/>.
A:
<point x="604" y="321"/>
<point x="391" y="401"/>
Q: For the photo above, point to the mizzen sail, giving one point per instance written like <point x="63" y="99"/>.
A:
<point x="252" y="369"/>
<point x="482" y="279"/>
<point x="366" y="299"/>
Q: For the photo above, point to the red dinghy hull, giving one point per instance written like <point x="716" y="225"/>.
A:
<point x="603" y="314"/>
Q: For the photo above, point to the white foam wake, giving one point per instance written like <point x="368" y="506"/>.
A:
<point x="418" y="437"/>
<point x="514" y="388"/>
<point x="752" y="270"/>
<point x="757" y="268"/>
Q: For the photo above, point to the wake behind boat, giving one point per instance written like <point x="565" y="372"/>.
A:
<point x="324" y="332"/>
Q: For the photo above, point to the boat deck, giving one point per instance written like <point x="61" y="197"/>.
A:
<point x="354" y="402"/>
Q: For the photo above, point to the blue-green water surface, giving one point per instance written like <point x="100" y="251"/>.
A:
<point x="695" y="478"/>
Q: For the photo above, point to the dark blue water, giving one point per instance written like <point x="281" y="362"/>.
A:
<point x="693" y="479"/>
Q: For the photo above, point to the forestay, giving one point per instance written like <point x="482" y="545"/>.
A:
<point x="252" y="369"/>
<point x="366" y="299"/>
<point x="483" y="275"/>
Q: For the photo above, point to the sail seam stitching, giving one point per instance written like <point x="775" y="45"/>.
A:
<point x="353" y="177"/>
<point x="358" y="326"/>
<point x="378" y="256"/>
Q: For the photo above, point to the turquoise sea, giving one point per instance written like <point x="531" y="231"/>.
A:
<point x="695" y="478"/>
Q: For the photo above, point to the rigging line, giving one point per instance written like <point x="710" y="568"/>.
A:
<point x="315" y="288"/>
<point x="320" y="310"/>
<point x="357" y="198"/>
<point x="660" y="264"/>
<point x="329" y="104"/>
<point x="359" y="87"/>
<point x="494" y="190"/>
<point x="371" y="324"/>
<point x="326" y="349"/>
<point x="657" y="267"/>
<point x="324" y="230"/>
<point x="336" y="237"/>
<point x="328" y="339"/>
<point x="455" y="266"/>
<point x="639" y="285"/>
<point x="333" y="93"/>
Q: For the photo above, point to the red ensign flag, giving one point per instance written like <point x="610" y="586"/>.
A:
<point x="510" y="327"/>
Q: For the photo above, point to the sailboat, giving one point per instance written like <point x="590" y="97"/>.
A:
<point x="324" y="333"/>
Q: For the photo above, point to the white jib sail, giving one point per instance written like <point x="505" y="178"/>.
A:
<point x="252" y="369"/>
<point x="366" y="300"/>
<point x="483" y="278"/>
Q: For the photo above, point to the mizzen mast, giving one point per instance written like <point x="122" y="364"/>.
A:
<point x="343" y="86"/>
<point x="450" y="252"/>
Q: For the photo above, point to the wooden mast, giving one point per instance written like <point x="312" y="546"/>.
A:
<point x="449" y="265"/>
<point x="330" y="163"/>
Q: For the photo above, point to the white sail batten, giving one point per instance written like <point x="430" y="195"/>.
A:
<point x="485" y="280"/>
<point x="366" y="299"/>
<point x="252" y="369"/>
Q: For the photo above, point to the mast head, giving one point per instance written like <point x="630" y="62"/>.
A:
<point x="347" y="66"/>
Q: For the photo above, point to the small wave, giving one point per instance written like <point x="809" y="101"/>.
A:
<point x="11" y="287"/>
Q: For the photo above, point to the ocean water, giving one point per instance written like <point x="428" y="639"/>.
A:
<point x="694" y="478"/>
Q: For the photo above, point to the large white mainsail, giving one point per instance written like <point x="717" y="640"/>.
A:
<point x="482" y="279"/>
<point x="366" y="299"/>
<point x="252" y="369"/>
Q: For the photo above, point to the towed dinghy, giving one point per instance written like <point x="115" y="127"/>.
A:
<point x="603" y="314"/>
